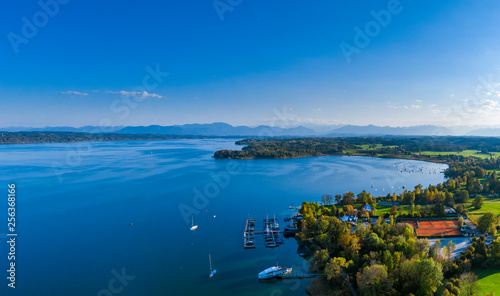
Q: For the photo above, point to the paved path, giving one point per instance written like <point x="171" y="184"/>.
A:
<point x="461" y="244"/>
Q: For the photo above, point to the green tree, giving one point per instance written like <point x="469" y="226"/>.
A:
<point x="486" y="222"/>
<point x="373" y="242"/>
<point x="478" y="202"/>
<point x="422" y="246"/>
<point x="319" y="261"/>
<point x="334" y="268"/>
<point x="419" y="277"/>
<point x="411" y="210"/>
<point x="348" y="198"/>
<point x="469" y="286"/>
<point x="338" y="197"/>
<point x="434" y="250"/>
<point x="394" y="210"/>
<point x="462" y="197"/>
<point x="449" y="249"/>
<point x="374" y="280"/>
<point x="494" y="183"/>
<point x="350" y="245"/>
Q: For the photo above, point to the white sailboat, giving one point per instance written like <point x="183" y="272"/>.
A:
<point x="193" y="227"/>
<point x="212" y="272"/>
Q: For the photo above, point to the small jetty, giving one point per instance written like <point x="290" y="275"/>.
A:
<point x="249" y="235"/>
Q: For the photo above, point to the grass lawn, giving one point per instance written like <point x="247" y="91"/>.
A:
<point x="489" y="280"/>
<point x="387" y="209"/>
<point x="490" y="205"/>
<point x="383" y="209"/>
<point x="464" y="153"/>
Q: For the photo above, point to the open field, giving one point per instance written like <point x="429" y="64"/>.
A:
<point x="489" y="280"/>
<point x="465" y="153"/>
<point x="490" y="205"/>
<point x="387" y="209"/>
<point x="383" y="209"/>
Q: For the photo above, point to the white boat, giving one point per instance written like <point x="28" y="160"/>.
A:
<point x="193" y="227"/>
<point x="212" y="272"/>
<point x="273" y="272"/>
<point x="268" y="234"/>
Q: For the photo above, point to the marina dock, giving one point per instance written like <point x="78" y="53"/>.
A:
<point x="249" y="235"/>
<point x="273" y="236"/>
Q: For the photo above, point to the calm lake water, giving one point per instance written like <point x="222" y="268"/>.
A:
<point x="75" y="204"/>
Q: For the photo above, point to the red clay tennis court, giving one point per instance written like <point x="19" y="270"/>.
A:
<point x="436" y="228"/>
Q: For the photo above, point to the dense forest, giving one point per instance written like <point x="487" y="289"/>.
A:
<point x="386" y="258"/>
<point x="69" y="137"/>
<point x="373" y="146"/>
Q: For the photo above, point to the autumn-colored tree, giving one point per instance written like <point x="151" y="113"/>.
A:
<point x="374" y="280"/>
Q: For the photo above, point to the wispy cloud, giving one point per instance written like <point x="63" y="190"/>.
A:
<point x="74" y="93"/>
<point x="407" y="107"/>
<point x="136" y="94"/>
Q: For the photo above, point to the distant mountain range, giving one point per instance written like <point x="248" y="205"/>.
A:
<point x="372" y="130"/>
<point x="218" y="129"/>
<point x="485" y="132"/>
<point x="224" y="129"/>
<point x="83" y="129"/>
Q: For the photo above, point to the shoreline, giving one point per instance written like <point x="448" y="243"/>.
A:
<point x="356" y="154"/>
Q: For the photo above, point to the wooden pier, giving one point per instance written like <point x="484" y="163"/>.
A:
<point x="249" y="235"/>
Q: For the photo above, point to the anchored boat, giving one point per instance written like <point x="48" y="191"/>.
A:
<point x="193" y="227"/>
<point x="274" y="272"/>
<point x="212" y="272"/>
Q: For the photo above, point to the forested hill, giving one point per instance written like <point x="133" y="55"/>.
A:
<point x="69" y="137"/>
<point x="420" y="147"/>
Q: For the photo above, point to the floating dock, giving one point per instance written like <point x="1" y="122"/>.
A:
<point x="249" y="235"/>
<point x="273" y="236"/>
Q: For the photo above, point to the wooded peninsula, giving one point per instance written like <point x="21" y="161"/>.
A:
<point x="425" y="148"/>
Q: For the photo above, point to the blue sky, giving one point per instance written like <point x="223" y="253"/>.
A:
<point x="251" y="62"/>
